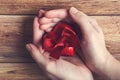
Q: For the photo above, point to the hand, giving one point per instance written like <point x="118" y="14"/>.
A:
<point x="92" y="42"/>
<point x="70" y="68"/>
<point x="96" y="55"/>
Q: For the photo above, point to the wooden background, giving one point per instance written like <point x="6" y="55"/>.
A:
<point x="16" y="17"/>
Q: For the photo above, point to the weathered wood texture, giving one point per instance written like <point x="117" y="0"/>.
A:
<point x="91" y="7"/>
<point x="25" y="71"/>
<point x="21" y="71"/>
<point x="16" y="31"/>
<point x="16" y="17"/>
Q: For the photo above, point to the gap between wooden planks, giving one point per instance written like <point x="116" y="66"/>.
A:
<point x="16" y="31"/>
<point x="91" y="7"/>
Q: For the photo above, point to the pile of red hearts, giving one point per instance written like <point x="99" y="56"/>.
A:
<point x="61" y="41"/>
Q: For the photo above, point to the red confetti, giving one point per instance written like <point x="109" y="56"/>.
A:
<point x="68" y="51"/>
<point x="61" y="41"/>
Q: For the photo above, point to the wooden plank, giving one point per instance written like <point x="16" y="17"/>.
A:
<point x="16" y="19"/>
<point x="111" y="28"/>
<point x="21" y="71"/>
<point x="25" y="71"/>
<point x="16" y="31"/>
<point x="13" y="50"/>
<point x="91" y="7"/>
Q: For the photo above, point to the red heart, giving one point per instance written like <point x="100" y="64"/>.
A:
<point x="61" y="41"/>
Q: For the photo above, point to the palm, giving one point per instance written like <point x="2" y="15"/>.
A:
<point x="63" y="66"/>
<point x="73" y="66"/>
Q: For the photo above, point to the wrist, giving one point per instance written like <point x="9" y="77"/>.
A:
<point x="103" y="64"/>
<point x="109" y="68"/>
<point x="112" y="69"/>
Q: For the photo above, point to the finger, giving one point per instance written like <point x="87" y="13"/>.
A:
<point x="46" y="54"/>
<point x="37" y="33"/>
<point x="41" y="59"/>
<point x="46" y="27"/>
<point x="82" y="20"/>
<point x="49" y="29"/>
<point x="41" y="13"/>
<point x="58" y="13"/>
<point x="94" y="23"/>
<point x="41" y="49"/>
<point x="35" y="53"/>
<point x="46" y="20"/>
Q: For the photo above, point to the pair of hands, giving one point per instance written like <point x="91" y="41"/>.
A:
<point x="93" y="48"/>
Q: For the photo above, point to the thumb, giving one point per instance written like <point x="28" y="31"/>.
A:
<point x="36" y="54"/>
<point x="81" y="19"/>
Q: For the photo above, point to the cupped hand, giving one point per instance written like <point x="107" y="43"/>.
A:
<point x="92" y="38"/>
<point x="70" y="68"/>
<point x="92" y="43"/>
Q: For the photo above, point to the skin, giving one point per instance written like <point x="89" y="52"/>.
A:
<point x="56" y="69"/>
<point x="92" y="47"/>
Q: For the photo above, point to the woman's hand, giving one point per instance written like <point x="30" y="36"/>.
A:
<point x="92" y="38"/>
<point x="66" y="68"/>
<point x="94" y="52"/>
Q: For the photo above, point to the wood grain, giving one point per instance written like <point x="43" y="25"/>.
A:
<point x="25" y="71"/>
<point x="16" y="19"/>
<point x="91" y="7"/>
<point x="16" y="31"/>
<point x="21" y="71"/>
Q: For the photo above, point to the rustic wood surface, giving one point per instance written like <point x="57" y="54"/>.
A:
<point x="21" y="71"/>
<point x="92" y="7"/>
<point x="16" y="17"/>
<point x="16" y="31"/>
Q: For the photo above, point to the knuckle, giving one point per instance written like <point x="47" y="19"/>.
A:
<point x="79" y="14"/>
<point x="54" y="20"/>
<point x="82" y="19"/>
<point x="42" y="20"/>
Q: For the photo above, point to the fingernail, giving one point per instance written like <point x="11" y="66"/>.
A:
<point x="28" y="46"/>
<point x="73" y="10"/>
